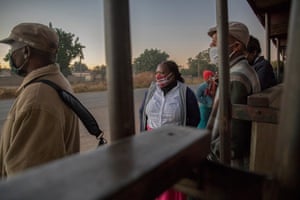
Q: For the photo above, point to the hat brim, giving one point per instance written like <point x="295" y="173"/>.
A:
<point x="212" y="31"/>
<point x="7" y="41"/>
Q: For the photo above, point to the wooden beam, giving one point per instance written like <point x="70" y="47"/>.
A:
<point x="266" y="97"/>
<point x="138" y="167"/>
<point x="255" y="114"/>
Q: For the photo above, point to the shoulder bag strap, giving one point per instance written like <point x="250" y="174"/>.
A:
<point x="81" y="111"/>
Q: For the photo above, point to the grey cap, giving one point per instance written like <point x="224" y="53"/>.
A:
<point x="237" y="30"/>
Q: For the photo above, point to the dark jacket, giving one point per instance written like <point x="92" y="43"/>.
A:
<point x="265" y="72"/>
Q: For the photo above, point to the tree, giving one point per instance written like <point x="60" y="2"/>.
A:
<point x="100" y="70"/>
<point x="6" y="57"/>
<point x="197" y="65"/>
<point x="79" y="67"/>
<point x="279" y="75"/>
<point x="149" y="60"/>
<point x="69" y="49"/>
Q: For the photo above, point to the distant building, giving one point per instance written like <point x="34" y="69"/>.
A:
<point x="86" y="76"/>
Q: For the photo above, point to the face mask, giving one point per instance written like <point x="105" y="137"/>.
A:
<point x="213" y="55"/>
<point x="15" y="69"/>
<point x="162" y="80"/>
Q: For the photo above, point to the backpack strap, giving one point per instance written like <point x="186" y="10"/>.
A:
<point x="81" y="111"/>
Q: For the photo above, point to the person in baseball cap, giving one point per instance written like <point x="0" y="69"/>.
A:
<point x="35" y="35"/>
<point x="38" y="111"/>
<point x="243" y="82"/>
<point x="31" y="39"/>
<point x="238" y="39"/>
<point x="237" y="30"/>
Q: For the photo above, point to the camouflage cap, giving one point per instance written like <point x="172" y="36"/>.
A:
<point x="34" y="35"/>
<point x="237" y="30"/>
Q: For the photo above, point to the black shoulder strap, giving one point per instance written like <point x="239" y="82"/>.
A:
<point x="81" y="111"/>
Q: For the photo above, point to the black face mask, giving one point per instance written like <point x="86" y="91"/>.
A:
<point x="15" y="69"/>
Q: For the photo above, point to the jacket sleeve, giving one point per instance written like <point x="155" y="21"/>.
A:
<point x="141" y="113"/>
<point x="200" y="93"/>
<point x="240" y="129"/>
<point x="193" y="114"/>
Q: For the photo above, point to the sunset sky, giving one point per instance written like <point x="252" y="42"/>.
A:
<point x="178" y="27"/>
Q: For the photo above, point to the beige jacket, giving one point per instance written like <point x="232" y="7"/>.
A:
<point x="39" y="127"/>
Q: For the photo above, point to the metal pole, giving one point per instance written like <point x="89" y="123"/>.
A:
<point x="288" y="142"/>
<point x="118" y="59"/>
<point x="267" y="36"/>
<point x="224" y="101"/>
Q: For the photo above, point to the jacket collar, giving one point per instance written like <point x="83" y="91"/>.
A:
<point x="43" y="71"/>
<point x="236" y="60"/>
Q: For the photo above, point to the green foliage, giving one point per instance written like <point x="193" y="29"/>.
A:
<point x="275" y="64"/>
<point x="100" y="70"/>
<point x="149" y="60"/>
<point x="69" y="49"/>
<point x="197" y="65"/>
<point x="6" y="57"/>
<point x="79" y="67"/>
<point x="278" y="73"/>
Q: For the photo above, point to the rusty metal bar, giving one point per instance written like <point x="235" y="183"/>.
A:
<point x="288" y="146"/>
<point x="278" y="58"/>
<point x="118" y="59"/>
<point x="224" y="103"/>
<point x="267" y="36"/>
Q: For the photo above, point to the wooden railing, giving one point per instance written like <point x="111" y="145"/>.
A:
<point x="139" y="167"/>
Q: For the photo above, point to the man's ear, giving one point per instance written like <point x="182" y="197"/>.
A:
<point x="238" y="46"/>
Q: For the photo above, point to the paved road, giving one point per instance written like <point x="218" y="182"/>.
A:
<point x="96" y="102"/>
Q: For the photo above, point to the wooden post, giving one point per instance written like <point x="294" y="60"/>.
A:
<point x="288" y="145"/>
<point x="224" y="101"/>
<point x="118" y="58"/>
